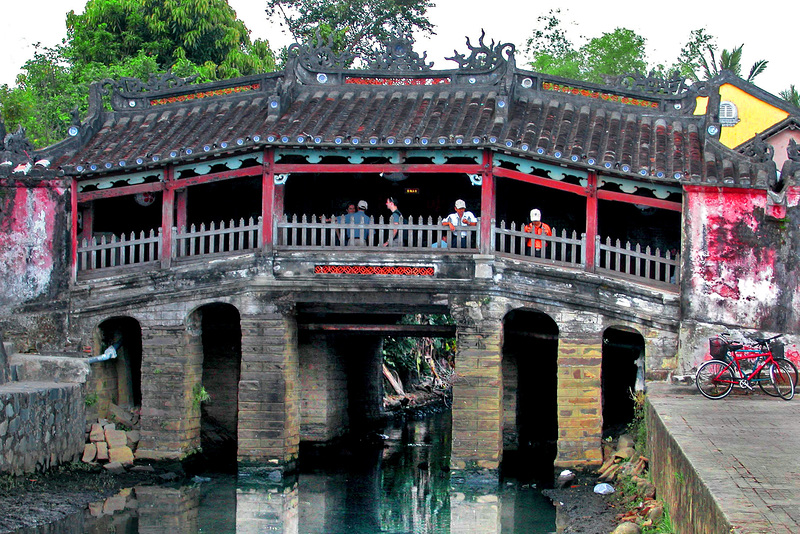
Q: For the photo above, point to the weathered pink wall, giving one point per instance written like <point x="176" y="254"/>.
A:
<point x="743" y="266"/>
<point x="779" y="142"/>
<point x="27" y="230"/>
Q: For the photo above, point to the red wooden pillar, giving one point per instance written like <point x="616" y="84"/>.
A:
<point x="167" y="210"/>
<point x="268" y="199"/>
<point x="488" y="204"/>
<point x="181" y="197"/>
<point x="73" y="191"/>
<point x="591" y="221"/>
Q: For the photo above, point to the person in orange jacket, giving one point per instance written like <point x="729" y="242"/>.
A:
<point x="536" y="226"/>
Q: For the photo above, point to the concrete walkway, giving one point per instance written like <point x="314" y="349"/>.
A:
<point x="745" y="449"/>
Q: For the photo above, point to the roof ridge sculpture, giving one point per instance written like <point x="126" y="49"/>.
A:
<point x="483" y="57"/>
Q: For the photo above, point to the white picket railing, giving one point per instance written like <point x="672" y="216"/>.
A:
<point x="217" y="238"/>
<point x="305" y="233"/>
<point x="105" y="251"/>
<point x="563" y="249"/>
<point x="635" y="262"/>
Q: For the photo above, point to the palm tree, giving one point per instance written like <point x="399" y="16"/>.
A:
<point x="791" y="95"/>
<point x="729" y="60"/>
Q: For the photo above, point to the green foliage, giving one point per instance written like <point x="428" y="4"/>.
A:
<point x="698" y="59"/>
<point x="90" y="400"/>
<point x="199" y="395"/>
<point x="619" y="52"/>
<point x="354" y="25"/>
<point x="791" y="95"/>
<point x="638" y="426"/>
<point x="406" y="355"/>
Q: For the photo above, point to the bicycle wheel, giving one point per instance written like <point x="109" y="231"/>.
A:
<point x="714" y="379"/>
<point x="782" y="379"/>
<point x="764" y="381"/>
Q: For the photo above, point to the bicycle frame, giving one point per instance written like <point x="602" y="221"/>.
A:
<point x="739" y="355"/>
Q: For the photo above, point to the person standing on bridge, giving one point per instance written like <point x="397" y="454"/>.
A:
<point x="536" y="226"/>
<point x="461" y="219"/>
<point x="395" y="237"/>
<point x="359" y="237"/>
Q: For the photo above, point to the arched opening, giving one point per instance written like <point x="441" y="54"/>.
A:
<point x="116" y="382"/>
<point x="222" y="355"/>
<point x="622" y="373"/>
<point x="530" y="379"/>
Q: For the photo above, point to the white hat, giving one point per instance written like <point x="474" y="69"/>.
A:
<point x="362" y="204"/>
<point x="536" y="215"/>
<point x="460" y="204"/>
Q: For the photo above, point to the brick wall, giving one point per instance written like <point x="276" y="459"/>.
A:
<point x="323" y="391"/>
<point x="580" y="424"/>
<point x="269" y="408"/>
<point x="510" y="388"/>
<point x="477" y="394"/>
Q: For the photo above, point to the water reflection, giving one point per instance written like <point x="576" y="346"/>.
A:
<point x="403" y="487"/>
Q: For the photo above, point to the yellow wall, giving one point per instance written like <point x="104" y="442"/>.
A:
<point x="755" y="116"/>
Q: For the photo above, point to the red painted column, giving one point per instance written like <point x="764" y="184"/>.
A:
<point x="73" y="191"/>
<point x="181" y="197"/>
<point x="591" y="220"/>
<point x="167" y="210"/>
<point x="268" y="199"/>
<point x="488" y="204"/>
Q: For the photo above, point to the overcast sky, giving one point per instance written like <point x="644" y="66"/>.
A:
<point x="767" y="30"/>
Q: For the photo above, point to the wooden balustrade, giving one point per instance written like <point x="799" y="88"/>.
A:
<point x="631" y="261"/>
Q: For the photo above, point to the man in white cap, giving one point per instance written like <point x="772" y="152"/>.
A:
<point x="359" y="236"/>
<point x="536" y="226"/>
<point x="460" y="219"/>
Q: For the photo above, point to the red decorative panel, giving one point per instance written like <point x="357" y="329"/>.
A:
<point x="205" y="94"/>
<point x="547" y="86"/>
<point x="396" y="81"/>
<point x="394" y="270"/>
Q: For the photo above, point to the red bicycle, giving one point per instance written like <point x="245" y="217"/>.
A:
<point x="774" y="376"/>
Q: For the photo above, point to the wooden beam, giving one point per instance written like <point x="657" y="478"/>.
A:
<point x="641" y="201"/>
<point x="394" y="330"/>
<point x="540" y="180"/>
<point x="376" y="168"/>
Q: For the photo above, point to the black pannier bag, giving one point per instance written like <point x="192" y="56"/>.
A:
<point x="718" y="348"/>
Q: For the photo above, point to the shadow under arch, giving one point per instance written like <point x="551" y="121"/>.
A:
<point x="119" y="380"/>
<point x="220" y="344"/>
<point x="621" y="374"/>
<point x="530" y="404"/>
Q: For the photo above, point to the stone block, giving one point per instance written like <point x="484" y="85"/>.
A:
<point x="89" y="453"/>
<point x="96" y="433"/>
<point x="102" y="451"/>
<point x="122" y="455"/>
<point x="116" y="438"/>
<point x="115" y="468"/>
<point x="133" y="437"/>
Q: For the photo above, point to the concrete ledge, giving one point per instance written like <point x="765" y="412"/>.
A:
<point x="37" y="368"/>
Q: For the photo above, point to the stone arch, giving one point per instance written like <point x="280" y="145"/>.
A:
<point x="621" y="374"/>
<point x="530" y="403"/>
<point x="214" y="350"/>
<point x="116" y="381"/>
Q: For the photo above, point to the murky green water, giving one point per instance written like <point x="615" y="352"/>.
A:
<point x="403" y="487"/>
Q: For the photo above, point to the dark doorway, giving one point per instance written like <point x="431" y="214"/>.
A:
<point x="530" y="378"/>
<point x="623" y="362"/>
<point x="118" y="380"/>
<point x="222" y="356"/>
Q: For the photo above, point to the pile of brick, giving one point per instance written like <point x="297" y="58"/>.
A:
<point x="108" y="444"/>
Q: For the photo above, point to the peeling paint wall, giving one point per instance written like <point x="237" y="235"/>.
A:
<point x="742" y="269"/>
<point x="33" y="264"/>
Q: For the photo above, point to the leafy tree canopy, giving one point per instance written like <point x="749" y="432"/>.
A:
<point x="358" y="26"/>
<point x="699" y="59"/>
<point x="611" y="54"/>
<point x="791" y="95"/>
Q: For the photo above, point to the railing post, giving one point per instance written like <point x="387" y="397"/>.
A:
<point x="591" y="222"/>
<point x="488" y="209"/>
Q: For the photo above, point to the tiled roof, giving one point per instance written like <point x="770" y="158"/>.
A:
<point x="614" y="129"/>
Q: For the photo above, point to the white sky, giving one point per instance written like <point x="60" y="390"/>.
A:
<point x="767" y="30"/>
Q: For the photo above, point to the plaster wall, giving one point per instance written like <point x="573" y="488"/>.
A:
<point x="741" y="269"/>
<point x="780" y="142"/>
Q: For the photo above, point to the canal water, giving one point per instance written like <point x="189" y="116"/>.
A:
<point x="402" y="486"/>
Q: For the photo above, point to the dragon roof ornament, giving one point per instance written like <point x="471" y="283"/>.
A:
<point x="398" y="56"/>
<point x="316" y="56"/>
<point x="156" y="82"/>
<point x="484" y="57"/>
<point x="674" y="85"/>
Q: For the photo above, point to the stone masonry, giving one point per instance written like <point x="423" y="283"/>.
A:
<point x="41" y="425"/>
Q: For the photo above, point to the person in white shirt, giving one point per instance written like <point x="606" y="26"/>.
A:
<point x="458" y="222"/>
